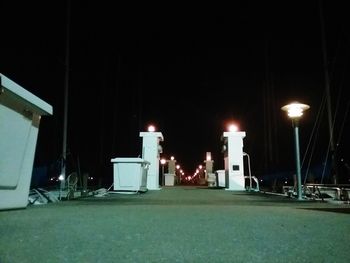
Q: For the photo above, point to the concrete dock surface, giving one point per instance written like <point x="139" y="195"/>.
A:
<point x="177" y="224"/>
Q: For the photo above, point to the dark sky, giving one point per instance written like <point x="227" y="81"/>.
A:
<point x="186" y="69"/>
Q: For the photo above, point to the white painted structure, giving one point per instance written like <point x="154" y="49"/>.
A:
<point x="20" y="113"/>
<point x="150" y="152"/>
<point x="130" y="174"/>
<point x="169" y="179"/>
<point x="221" y="178"/>
<point x="209" y="175"/>
<point x="234" y="168"/>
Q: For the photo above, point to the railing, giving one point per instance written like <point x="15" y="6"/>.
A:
<point x="322" y="191"/>
<point x="250" y="187"/>
<point x="336" y="192"/>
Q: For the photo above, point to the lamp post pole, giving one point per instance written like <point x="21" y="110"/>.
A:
<point x="163" y="162"/>
<point x="297" y="157"/>
<point x="295" y="111"/>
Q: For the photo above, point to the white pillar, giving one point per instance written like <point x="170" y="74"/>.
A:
<point x="209" y="166"/>
<point x="150" y="152"/>
<point x="171" y="166"/>
<point x="234" y="161"/>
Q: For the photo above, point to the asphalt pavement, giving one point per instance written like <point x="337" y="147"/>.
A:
<point x="177" y="224"/>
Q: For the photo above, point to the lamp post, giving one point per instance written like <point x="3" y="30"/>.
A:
<point x="162" y="162"/>
<point x="178" y="174"/>
<point x="295" y="111"/>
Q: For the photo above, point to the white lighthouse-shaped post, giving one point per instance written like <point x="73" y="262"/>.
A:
<point x="150" y="152"/>
<point x="234" y="168"/>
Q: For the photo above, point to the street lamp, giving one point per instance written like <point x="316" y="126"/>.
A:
<point x="163" y="162"/>
<point x="295" y="111"/>
<point x="178" y="173"/>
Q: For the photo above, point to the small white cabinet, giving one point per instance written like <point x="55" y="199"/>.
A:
<point x="130" y="174"/>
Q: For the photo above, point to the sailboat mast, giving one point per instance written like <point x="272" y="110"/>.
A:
<point x="65" y="113"/>
<point x="328" y="94"/>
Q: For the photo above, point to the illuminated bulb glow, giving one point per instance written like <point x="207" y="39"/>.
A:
<point x="208" y="156"/>
<point x="233" y="128"/>
<point x="295" y="110"/>
<point x="151" y="128"/>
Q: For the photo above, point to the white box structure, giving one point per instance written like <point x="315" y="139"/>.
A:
<point x="150" y="152"/>
<point x="20" y="113"/>
<point x="221" y="178"/>
<point x="234" y="161"/>
<point x="169" y="179"/>
<point x="130" y="174"/>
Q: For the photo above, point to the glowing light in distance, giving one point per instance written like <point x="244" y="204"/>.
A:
<point x="232" y="128"/>
<point x="151" y="128"/>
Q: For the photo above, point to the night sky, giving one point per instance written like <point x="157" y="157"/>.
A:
<point x="186" y="69"/>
